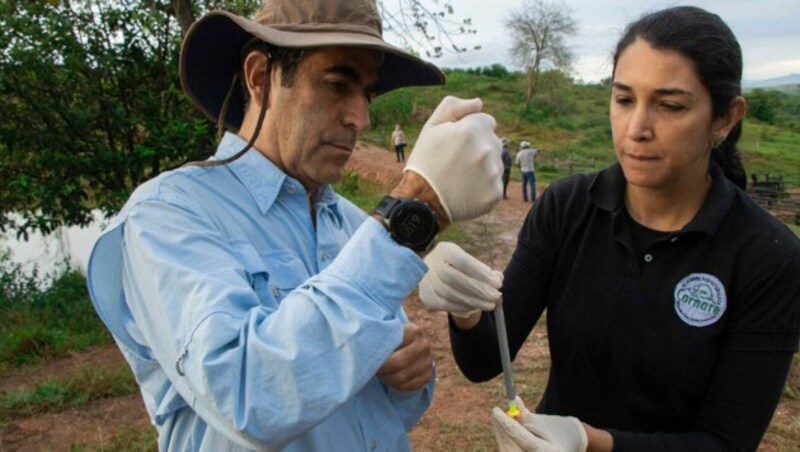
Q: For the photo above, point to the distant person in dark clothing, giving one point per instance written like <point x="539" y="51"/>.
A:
<point x="506" y="165"/>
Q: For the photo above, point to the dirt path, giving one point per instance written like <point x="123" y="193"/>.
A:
<point x="458" y="419"/>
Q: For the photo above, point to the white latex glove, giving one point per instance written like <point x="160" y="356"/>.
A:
<point x="537" y="432"/>
<point x="458" y="154"/>
<point x="458" y="283"/>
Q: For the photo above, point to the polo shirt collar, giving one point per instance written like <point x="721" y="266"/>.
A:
<point x="717" y="204"/>
<point x="607" y="192"/>
<point x="261" y="178"/>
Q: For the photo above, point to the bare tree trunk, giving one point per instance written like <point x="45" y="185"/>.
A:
<point x="182" y="9"/>
<point x="533" y="79"/>
<point x="529" y="92"/>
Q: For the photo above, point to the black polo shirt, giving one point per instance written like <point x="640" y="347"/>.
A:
<point x="691" y="335"/>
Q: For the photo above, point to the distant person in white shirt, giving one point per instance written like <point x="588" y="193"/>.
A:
<point x="525" y="158"/>
<point x="399" y="142"/>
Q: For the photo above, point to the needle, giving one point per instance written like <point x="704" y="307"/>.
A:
<point x="502" y="339"/>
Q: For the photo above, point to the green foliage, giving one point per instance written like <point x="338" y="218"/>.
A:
<point x="130" y="439"/>
<point x="386" y="111"/>
<point x="41" y="319"/>
<point x="569" y="123"/>
<point x="763" y="104"/>
<point x="363" y="193"/>
<point x="495" y="70"/>
<point x="92" y="107"/>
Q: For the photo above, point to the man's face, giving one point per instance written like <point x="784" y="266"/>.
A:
<point x="311" y="126"/>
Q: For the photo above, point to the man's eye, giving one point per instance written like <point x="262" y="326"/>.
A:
<point x="621" y="100"/>
<point x="337" y="85"/>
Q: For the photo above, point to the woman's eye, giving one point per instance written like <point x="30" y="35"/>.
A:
<point x="672" y="107"/>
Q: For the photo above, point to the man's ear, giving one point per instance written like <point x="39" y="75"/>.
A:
<point x="255" y="76"/>
<point x="724" y="124"/>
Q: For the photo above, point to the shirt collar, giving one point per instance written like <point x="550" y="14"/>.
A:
<point x="717" y="204"/>
<point x="262" y="179"/>
<point x="607" y="191"/>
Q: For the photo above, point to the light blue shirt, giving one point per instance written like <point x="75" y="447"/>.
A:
<point x="246" y="326"/>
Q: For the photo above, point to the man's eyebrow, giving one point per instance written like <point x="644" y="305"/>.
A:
<point x="661" y="91"/>
<point x="349" y="72"/>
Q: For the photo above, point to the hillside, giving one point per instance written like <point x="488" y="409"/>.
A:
<point x="568" y="122"/>
<point x="787" y="83"/>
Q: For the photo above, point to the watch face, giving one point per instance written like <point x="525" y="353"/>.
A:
<point x="413" y="223"/>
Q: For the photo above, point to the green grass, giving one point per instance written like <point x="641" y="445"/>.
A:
<point x="56" y="395"/>
<point x="131" y="439"/>
<point x="363" y="193"/>
<point x="569" y="122"/>
<point x="43" y="318"/>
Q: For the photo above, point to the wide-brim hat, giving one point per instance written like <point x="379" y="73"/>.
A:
<point x="211" y="51"/>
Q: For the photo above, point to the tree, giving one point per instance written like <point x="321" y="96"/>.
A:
<point x="763" y="104"/>
<point x="92" y="103"/>
<point x="424" y="27"/>
<point x="92" y="107"/>
<point x="538" y="31"/>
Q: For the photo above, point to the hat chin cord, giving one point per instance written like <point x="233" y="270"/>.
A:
<point x="224" y="110"/>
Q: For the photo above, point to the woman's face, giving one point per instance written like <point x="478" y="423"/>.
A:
<point x="660" y="118"/>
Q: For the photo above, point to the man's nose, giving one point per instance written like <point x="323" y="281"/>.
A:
<point x="357" y="113"/>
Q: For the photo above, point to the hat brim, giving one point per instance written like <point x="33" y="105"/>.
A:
<point x="210" y="57"/>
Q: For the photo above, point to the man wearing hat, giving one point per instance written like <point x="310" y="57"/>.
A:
<point x="525" y="160"/>
<point x="243" y="290"/>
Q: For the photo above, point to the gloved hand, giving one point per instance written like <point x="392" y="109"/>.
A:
<point x="458" y="283"/>
<point x="537" y="432"/>
<point x="458" y="154"/>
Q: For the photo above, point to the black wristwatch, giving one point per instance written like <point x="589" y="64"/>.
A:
<point x="410" y="222"/>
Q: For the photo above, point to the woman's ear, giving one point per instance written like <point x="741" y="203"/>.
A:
<point x="723" y="125"/>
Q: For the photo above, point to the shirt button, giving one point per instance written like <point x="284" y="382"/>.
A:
<point x="323" y="256"/>
<point x="673" y="240"/>
<point x="291" y="189"/>
<point x="275" y="292"/>
<point x="373" y="445"/>
<point x="648" y="258"/>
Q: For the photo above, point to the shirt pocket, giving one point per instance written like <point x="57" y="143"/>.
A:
<point x="273" y="274"/>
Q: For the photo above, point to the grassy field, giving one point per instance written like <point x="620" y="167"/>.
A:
<point x="569" y="124"/>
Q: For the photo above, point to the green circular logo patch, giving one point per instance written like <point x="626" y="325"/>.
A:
<point x="700" y="299"/>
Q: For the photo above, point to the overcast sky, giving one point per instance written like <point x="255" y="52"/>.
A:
<point x="768" y="32"/>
